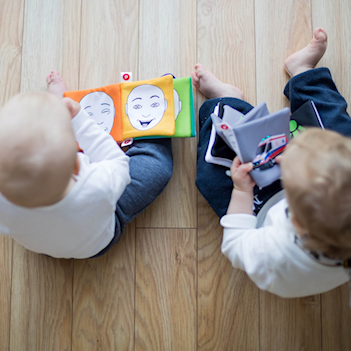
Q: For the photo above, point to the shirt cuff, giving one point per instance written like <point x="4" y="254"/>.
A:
<point x="239" y="221"/>
<point x="79" y="119"/>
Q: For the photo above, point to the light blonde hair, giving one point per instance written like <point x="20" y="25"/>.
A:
<point x="37" y="149"/>
<point x="316" y="172"/>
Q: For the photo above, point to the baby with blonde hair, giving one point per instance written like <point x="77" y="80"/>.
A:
<point x="37" y="149"/>
<point x="294" y="241"/>
<point x="316" y="170"/>
<point x="63" y="203"/>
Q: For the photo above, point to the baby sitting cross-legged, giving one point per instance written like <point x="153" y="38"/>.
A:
<point x="63" y="203"/>
<point x="298" y="243"/>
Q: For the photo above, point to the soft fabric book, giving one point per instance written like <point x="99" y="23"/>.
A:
<point x="256" y="137"/>
<point x="305" y="116"/>
<point x="218" y="151"/>
<point x="160" y="107"/>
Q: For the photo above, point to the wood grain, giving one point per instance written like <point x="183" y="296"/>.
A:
<point x="226" y="47"/>
<point x="104" y="287"/>
<point x="167" y="44"/>
<point x="281" y="29"/>
<point x="50" y="41"/>
<point x="11" y="28"/>
<point x="334" y="18"/>
<point x="336" y="319"/>
<point x="166" y="285"/>
<point x="228" y="316"/>
<point x="165" y="290"/>
<point x="289" y="324"/>
<point x="103" y="298"/>
<point x="5" y="291"/>
<point x="41" y="304"/>
<point x="227" y="300"/>
<point x="109" y="42"/>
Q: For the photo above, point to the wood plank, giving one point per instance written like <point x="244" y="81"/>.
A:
<point x="51" y="41"/>
<point x="103" y="316"/>
<point x="226" y="46"/>
<point x="281" y="29"/>
<point x="172" y="49"/>
<point x="334" y="18"/>
<point x="336" y="319"/>
<point x="227" y="299"/>
<point x="228" y="316"/>
<point x="11" y="29"/>
<point x="289" y="324"/>
<point x="165" y="305"/>
<point x="109" y="42"/>
<point x="41" y="305"/>
<point x="5" y="291"/>
<point x="103" y="298"/>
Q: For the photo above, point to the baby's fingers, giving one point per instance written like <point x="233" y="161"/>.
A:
<point x="245" y="168"/>
<point x="279" y="159"/>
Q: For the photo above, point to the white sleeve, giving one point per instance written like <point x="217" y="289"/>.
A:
<point x="95" y="143"/>
<point x="104" y="154"/>
<point x="245" y="247"/>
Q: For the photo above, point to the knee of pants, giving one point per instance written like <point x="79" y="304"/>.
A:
<point x="151" y="158"/>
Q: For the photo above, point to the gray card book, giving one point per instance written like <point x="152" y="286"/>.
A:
<point x="260" y="141"/>
<point x="256" y="137"/>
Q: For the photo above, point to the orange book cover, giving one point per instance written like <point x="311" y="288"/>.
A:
<point x="131" y="110"/>
<point x="103" y="105"/>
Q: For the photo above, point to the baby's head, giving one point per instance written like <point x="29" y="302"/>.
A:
<point x="37" y="149"/>
<point x="316" y="173"/>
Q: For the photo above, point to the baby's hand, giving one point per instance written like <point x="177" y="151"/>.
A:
<point x="73" y="106"/>
<point x="279" y="159"/>
<point x="240" y="175"/>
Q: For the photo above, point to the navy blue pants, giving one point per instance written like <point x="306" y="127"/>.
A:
<point x="316" y="85"/>
<point x="150" y="168"/>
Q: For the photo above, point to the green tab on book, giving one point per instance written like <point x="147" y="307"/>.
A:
<point x="184" y="108"/>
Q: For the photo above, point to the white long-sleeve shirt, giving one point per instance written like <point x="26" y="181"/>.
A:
<point x="83" y="222"/>
<point x="272" y="259"/>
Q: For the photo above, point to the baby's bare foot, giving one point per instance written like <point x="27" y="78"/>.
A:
<point x="55" y="84"/>
<point x="308" y="57"/>
<point x="211" y="86"/>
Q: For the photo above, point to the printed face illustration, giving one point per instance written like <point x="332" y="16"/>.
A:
<point x="177" y="104"/>
<point x="145" y="106"/>
<point x="100" y="107"/>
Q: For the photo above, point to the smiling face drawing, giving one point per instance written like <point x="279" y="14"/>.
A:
<point x="145" y="106"/>
<point x="100" y="107"/>
<point x="177" y="104"/>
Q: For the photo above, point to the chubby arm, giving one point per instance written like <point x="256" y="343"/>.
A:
<point x="95" y="143"/>
<point x="242" y="195"/>
<point x="240" y="244"/>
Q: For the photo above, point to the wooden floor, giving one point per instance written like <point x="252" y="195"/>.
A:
<point x="166" y="285"/>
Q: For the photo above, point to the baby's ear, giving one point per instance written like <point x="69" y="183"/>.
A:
<point x="72" y="106"/>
